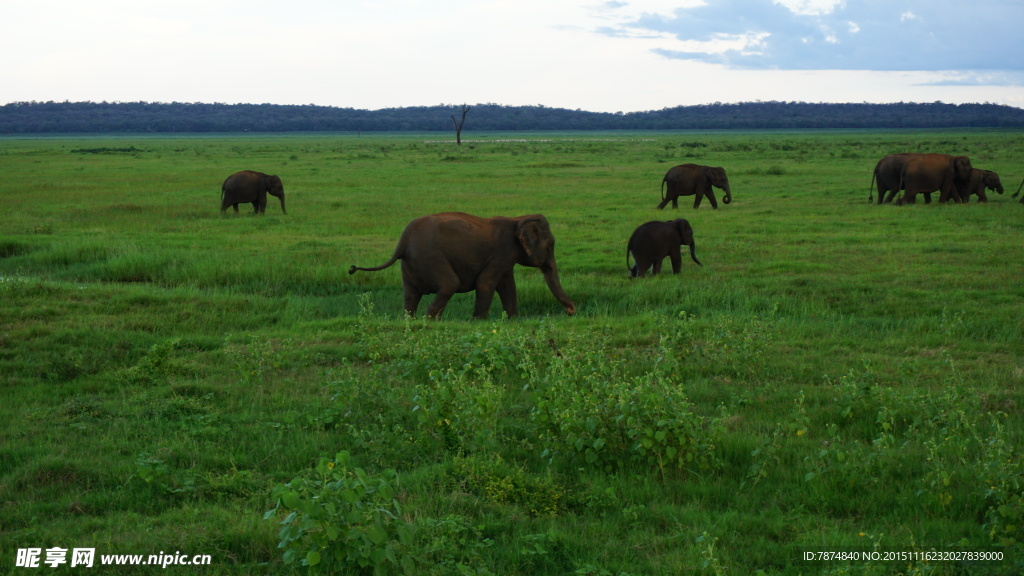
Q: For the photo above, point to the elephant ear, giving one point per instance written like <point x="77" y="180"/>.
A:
<point x="716" y="175"/>
<point x="963" y="166"/>
<point x="530" y="234"/>
<point x="685" y="230"/>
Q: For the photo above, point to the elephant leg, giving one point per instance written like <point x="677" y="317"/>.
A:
<point x="928" y="198"/>
<point x="482" y="307"/>
<point x="981" y="197"/>
<point x="711" y="198"/>
<point x="438" y="303"/>
<point x="657" y="266"/>
<point x="677" y="260"/>
<point x="507" y="292"/>
<point x="235" y="206"/>
<point x="889" y="197"/>
<point x="447" y="282"/>
<point x="663" y="203"/>
<point x="412" y="301"/>
<point x="697" y="198"/>
<point x="640" y="266"/>
<point x="675" y="201"/>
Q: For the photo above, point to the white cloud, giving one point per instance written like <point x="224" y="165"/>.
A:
<point x="908" y="15"/>
<point x="592" y="54"/>
<point x="811" y="7"/>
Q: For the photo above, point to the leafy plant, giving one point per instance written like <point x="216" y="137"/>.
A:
<point x="589" y="412"/>
<point x="494" y="480"/>
<point x="344" y="520"/>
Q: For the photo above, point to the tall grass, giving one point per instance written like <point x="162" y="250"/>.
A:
<point x="836" y="374"/>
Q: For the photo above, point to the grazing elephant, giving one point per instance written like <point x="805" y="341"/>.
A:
<point x="925" y="173"/>
<point x="456" y="252"/>
<point x="694" y="180"/>
<point x="889" y="176"/>
<point x="653" y="241"/>
<point x="249" y="186"/>
<point x="979" y="182"/>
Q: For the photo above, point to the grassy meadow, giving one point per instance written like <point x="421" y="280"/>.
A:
<point x="836" y="374"/>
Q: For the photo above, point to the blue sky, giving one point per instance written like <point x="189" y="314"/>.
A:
<point x="600" y="55"/>
<point x="932" y="35"/>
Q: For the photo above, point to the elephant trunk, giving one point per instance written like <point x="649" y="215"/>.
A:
<point x="282" y="203"/>
<point x="551" y="278"/>
<point x="693" y="252"/>
<point x="727" y="199"/>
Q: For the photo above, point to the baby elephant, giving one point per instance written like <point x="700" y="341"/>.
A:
<point x="653" y="241"/>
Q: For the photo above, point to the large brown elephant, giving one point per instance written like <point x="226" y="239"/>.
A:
<point x="889" y="176"/>
<point x="925" y="173"/>
<point x="694" y="180"/>
<point x="455" y="252"/>
<point x="652" y="242"/>
<point x="980" y="181"/>
<point x="250" y="186"/>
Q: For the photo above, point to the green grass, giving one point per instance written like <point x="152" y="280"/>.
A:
<point x="837" y="373"/>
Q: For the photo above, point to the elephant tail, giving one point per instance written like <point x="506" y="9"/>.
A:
<point x="663" y="189"/>
<point x="354" y="268"/>
<point x="399" y="253"/>
<point x="629" y="253"/>
<point x="871" y="188"/>
<point x="1018" y="189"/>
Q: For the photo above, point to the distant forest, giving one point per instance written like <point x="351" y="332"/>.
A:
<point x="143" y="117"/>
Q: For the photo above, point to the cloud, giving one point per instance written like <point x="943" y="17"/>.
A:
<point x="884" y="35"/>
<point x="978" y="79"/>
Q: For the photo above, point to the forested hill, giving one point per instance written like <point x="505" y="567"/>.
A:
<point x="142" y="117"/>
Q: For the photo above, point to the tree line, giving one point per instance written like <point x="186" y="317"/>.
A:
<point x="147" y="117"/>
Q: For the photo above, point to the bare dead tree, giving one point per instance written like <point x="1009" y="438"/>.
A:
<point x="458" y="125"/>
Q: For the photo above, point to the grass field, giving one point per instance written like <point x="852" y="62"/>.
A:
<point x="838" y="375"/>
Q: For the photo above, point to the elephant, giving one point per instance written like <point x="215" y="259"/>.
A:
<point x="250" y="186"/>
<point x="925" y="173"/>
<point x="653" y="241"/>
<point x="455" y="252"/>
<point x="979" y="182"/>
<point x="694" y="180"/>
<point x="889" y="175"/>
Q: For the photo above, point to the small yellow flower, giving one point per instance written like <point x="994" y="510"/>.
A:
<point x="800" y="432"/>
<point x="330" y="465"/>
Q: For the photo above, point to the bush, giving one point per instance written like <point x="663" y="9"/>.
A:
<point x="589" y="412"/>
<point x="344" y="521"/>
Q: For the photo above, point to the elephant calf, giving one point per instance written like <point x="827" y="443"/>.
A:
<point x="249" y="186"/>
<point x="653" y="241"/>
<point x="979" y="181"/>
<point x="694" y="180"/>
<point x="455" y="252"/>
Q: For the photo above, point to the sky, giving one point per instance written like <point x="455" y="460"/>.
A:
<point x="595" y="55"/>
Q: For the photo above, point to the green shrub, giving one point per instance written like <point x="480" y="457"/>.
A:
<point x="590" y="412"/>
<point x="344" y="521"/>
<point x="494" y="480"/>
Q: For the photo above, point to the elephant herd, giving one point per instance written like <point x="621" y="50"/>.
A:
<point x="952" y="176"/>
<point x="455" y="252"/>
